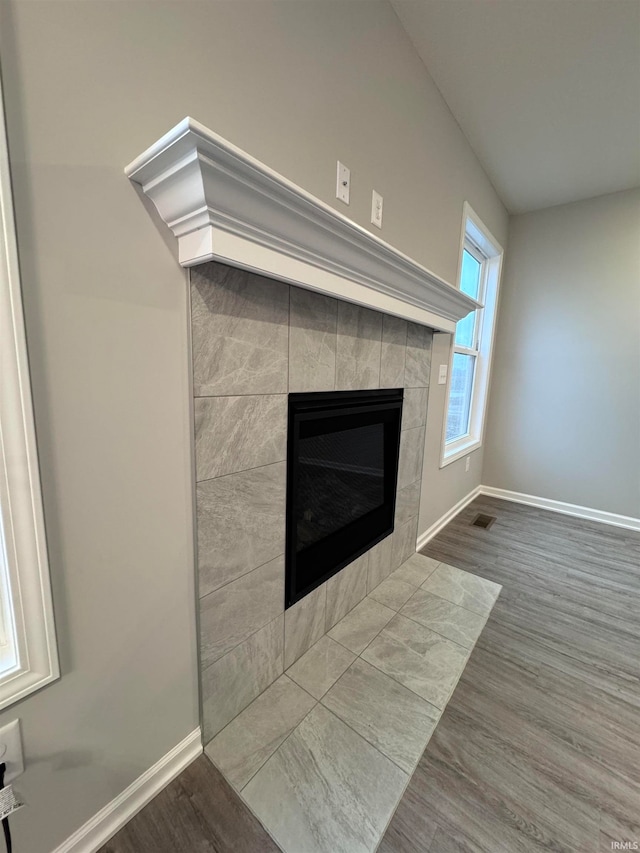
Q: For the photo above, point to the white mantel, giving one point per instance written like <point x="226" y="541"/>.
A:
<point x="224" y="205"/>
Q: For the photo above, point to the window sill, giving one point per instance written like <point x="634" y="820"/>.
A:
<point x="461" y="448"/>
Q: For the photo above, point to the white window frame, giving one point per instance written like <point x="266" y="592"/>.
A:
<point x="28" y="641"/>
<point x="476" y="238"/>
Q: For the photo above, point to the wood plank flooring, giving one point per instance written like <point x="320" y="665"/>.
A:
<point x="539" y="747"/>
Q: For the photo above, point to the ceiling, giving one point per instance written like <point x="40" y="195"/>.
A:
<point x="546" y="91"/>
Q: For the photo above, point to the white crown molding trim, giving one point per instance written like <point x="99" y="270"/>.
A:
<point x="224" y="205"/>
<point x="588" y="513"/>
<point x="103" y="825"/>
<point x="449" y="515"/>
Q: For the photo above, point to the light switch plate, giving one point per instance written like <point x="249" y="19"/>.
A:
<point x="376" y="209"/>
<point x="343" y="185"/>
<point x="442" y="375"/>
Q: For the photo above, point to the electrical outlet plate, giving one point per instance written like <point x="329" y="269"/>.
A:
<point x="442" y="374"/>
<point x="376" y="209"/>
<point x="11" y="750"/>
<point x="343" y="185"/>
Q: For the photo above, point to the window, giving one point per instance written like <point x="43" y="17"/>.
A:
<point x="480" y="265"/>
<point x="28" y="655"/>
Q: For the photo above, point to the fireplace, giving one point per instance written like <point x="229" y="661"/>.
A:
<point x="342" y="470"/>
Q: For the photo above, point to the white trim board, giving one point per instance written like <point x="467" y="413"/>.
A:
<point x="585" y="512"/>
<point x="224" y="205"/>
<point x="104" y="825"/>
<point x="575" y="510"/>
<point x="450" y="514"/>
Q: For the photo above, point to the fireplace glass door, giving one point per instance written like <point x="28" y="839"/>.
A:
<point x="341" y="481"/>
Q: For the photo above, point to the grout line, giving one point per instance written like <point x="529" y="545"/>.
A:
<point x="360" y="735"/>
<point x="233" y="580"/>
<point x="213" y="663"/>
<point x="239" y="394"/>
<point x="243" y="471"/>
<point x="280" y="745"/>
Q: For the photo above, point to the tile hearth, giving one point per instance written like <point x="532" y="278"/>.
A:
<point x="323" y="756"/>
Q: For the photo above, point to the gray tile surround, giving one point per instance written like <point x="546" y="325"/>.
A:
<point x="418" y="658"/>
<point x="393" y="592"/>
<point x="418" y="358"/>
<point x="316" y="778"/>
<point x="404" y="542"/>
<point x="456" y="623"/>
<point x="414" y="410"/>
<point x="241" y="748"/>
<point x="240" y="332"/>
<point x="241" y="523"/>
<point x="321" y="666"/>
<point x="235" y="680"/>
<point x="356" y="630"/>
<point x="346" y="589"/>
<point x="253" y="340"/>
<point x="312" y="341"/>
<point x="387" y="714"/>
<point x="304" y="624"/>
<point x="392" y="357"/>
<point x="325" y="789"/>
<point x="358" y="347"/>
<point x="237" y="433"/>
<point x="411" y="453"/>
<point x="380" y="562"/>
<point x="407" y="503"/>
<point x="462" y="588"/>
<point x="231" y="614"/>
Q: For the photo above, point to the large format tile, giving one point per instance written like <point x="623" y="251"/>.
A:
<point x="346" y="589"/>
<point x="240" y="332"/>
<point x="235" y="611"/>
<point x="414" y="408"/>
<point x="422" y="660"/>
<point x="241" y="523"/>
<point x="241" y="748"/>
<point x="304" y="624"/>
<point x="236" y="433"/>
<point x="361" y="624"/>
<point x="358" y="347"/>
<point x="442" y="616"/>
<point x="404" y="542"/>
<point x="380" y="562"/>
<point x="407" y="503"/>
<point x="321" y="666"/>
<point x="394" y="340"/>
<point x="418" y="358"/>
<point x="463" y="588"/>
<point x="411" y="453"/>
<point x="312" y="341"/>
<point x="416" y="570"/>
<point x="234" y="681"/>
<point x="393" y="592"/>
<point x="325" y="789"/>
<point x="391" y="717"/>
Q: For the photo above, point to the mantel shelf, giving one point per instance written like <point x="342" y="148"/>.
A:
<point x="224" y="205"/>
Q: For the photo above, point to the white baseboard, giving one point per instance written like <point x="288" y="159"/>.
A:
<point x="103" y="825"/>
<point x="437" y="526"/>
<point x="567" y="509"/>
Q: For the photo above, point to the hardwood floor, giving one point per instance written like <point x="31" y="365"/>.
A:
<point x="198" y="812"/>
<point x="539" y="747"/>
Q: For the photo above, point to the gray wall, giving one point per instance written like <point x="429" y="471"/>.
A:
<point x="88" y="86"/>
<point x="564" y="419"/>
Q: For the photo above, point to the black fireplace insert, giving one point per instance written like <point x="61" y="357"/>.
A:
<point x="342" y="471"/>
